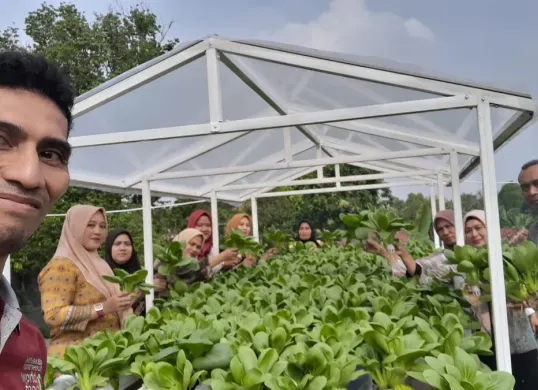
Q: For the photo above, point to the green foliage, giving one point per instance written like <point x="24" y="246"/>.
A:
<point x="303" y="320"/>
<point x="130" y="282"/>
<point x="383" y="221"/>
<point x="92" y="52"/>
<point x="514" y="218"/>
<point x="236" y="239"/>
<point x="423" y="220"/>
<point x="520" y="269"/>
<point x="172" y="260"/>
<point x="461" y="371"/>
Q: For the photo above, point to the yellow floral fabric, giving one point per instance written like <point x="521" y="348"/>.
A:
<point x="67" y="301"/>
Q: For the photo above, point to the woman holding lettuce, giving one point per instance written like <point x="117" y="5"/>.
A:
<point x="76" y="301"/>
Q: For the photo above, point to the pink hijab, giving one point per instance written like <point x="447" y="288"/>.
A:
<point x="90" y="264"/>
<point x="187" y="235"/>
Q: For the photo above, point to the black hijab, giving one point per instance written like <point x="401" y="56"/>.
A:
<point x="132" y="265"/>
<point x="312" y="235"/>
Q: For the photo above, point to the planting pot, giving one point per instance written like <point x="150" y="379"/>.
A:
<point x="364" y="382"/>
<point x="62" y="382"/>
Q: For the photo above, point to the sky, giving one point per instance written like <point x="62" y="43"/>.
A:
<point x="488" y="41"/>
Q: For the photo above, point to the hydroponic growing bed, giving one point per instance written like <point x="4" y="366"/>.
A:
<point x="307" y="319"/>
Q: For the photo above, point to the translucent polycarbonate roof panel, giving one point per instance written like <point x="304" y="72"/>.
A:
<point x="320" y="90"/>
<point x="254" y="147"/>
<point x="266" y="177"/>
<point x="253" y="87"/>
<point x="239" y="101"/>
<point x="178" y="98"/>
<point x="382" y="64"/>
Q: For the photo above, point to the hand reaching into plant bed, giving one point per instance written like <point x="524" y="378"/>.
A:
<point x="373" y="245"/>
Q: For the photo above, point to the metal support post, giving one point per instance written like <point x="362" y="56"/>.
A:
<point x="215" y="220"/>
<point x="498" y="292"/>
<point x="319" y="155"/>
<point x="456" y="197"/>
<point x="148" y="239"/>
<point x="441" y="191"/>
<point x="255" y="225"/>
<point x="337" y="175"/>
<point x="213" y="88"/>
<point x="433" y="204"/>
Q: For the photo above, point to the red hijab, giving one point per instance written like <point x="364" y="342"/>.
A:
<point x="208" y="243"/>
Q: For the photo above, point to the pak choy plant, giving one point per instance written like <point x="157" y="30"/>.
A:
<point x="172" y="261"/>
<point x="279" y="240"/>
<point x="390" y="350"/>
<point x="130" y="282"/>
<point x="165" y="376"/>
<point x="519" y="264"/>
<point x="245" y="244"/>
<point x="383" y="222"/>
<point x="471" y="261"/>
<point x="249" y="371"/>
<point x="461" y="371"/>
<point x="93" y="367"/>
<point x="524" y="258"/>
<point x="329" y="238"/>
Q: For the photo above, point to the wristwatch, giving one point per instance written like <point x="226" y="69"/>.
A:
<point x="99" y="310"/>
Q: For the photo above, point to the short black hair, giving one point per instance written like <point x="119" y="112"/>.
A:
<point x="20" y="70"/>
<point x="529" y="164"/>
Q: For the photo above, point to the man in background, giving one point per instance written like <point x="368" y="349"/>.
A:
<point x="35" y="118"/>
<point x="528" y="180"/>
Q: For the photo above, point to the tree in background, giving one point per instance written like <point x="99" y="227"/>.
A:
<point x="93" y="51"/>
<point x="322" y="210"/>
<point x="513" y="210"/>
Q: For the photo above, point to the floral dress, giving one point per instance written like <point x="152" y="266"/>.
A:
<point x="67" y="301"/>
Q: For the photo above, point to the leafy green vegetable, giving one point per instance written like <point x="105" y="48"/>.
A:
<point x="236" y="239"/>
<point x="384" y="222"/>
<point x="304" y="320"/>
<point x="130" y="282"/>
<point x="173" y="263"/>
<point x="461" y="371"/>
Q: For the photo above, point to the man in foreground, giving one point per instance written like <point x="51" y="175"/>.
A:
<point x="35" y="118"/>
<point x="528" y="180"/>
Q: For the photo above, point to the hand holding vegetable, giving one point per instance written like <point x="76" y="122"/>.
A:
<point x="249" y="261"/>
<point x="372" y="245"/>
<point x="117" y="303"/>
<point x="229" y="257"/>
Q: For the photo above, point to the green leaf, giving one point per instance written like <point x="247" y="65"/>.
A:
<point x="166" y="374"/>
<point x="317" y="383"/>
<point x="219" y="356"/>
<point x="267" y="360"/>
<point x="247" y="357"/>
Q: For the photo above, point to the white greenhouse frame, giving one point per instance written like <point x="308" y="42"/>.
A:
<point x="409" y="164"/>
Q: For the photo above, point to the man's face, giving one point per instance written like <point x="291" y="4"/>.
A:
<point x="528" y="180"/>
<point x="33" y="163"/>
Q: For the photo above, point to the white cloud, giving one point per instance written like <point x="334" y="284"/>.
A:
<point x="418" y="30"/>
<point x="349" y="26"/>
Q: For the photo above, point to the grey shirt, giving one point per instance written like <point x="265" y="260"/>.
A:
<point x="12" y="314"/>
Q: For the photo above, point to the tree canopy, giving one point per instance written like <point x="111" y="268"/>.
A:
<point x="93" y="50"/>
